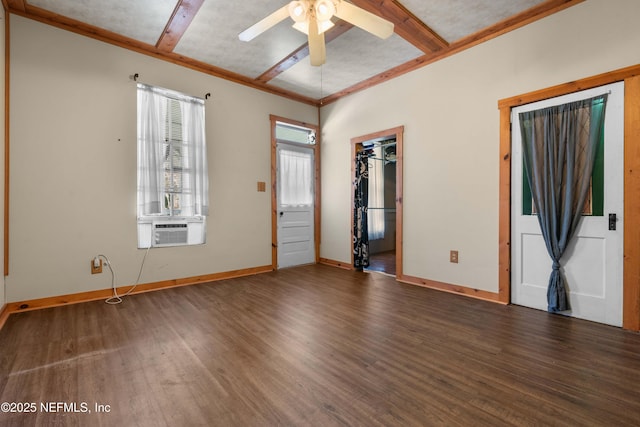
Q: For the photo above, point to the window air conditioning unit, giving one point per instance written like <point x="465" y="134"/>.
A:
<point x="170" y="234"/>
<point x="159" y="234"/>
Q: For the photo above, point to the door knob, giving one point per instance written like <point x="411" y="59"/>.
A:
<point x="612" y="221"/>
<point x="281" y="213"/>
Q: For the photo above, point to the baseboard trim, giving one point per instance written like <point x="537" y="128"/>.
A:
<point x="333" y="263"/>
<point x="454" y="289"/>
<point x="4" y="315"/>
<point x="41" y="303"/>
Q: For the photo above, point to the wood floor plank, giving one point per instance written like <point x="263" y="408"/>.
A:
<point x="316" y="346"/>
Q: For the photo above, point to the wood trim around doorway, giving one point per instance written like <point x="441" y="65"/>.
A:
<point x="396" y="133"/>
<point x="274" y="202"/>
<point x="631" y="263"/>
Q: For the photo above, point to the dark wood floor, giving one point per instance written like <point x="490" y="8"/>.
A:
<point x="384" y="262"/>
<point x="316" y="346"/>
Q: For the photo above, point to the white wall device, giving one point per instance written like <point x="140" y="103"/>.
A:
<point x="171" y="233"/>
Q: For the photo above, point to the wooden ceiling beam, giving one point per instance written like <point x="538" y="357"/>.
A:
<point x="302" y="52"/>
<point x="406" y="24"/>
<point x="15" y="5"/>
<point x="180" y="20"/>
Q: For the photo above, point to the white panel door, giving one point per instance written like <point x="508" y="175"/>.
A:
<point x="295" y="199"/>
<point x="592" y="264"/>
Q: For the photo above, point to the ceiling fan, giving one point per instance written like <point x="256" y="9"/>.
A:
<point x="313" y="17"/>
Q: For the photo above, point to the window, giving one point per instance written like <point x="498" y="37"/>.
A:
<point x="174" y="162"/>
<point x="594" y="203"/>
<point x="292" y="133"/>
<point x="295" y="164"/>
<point x="376" y="209"/>
<point x="295" y="178"/>
<point x="172" y="166"/>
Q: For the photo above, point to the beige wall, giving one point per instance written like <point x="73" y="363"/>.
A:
<point x="451" y="140"/>
<point x="73" y="165"/>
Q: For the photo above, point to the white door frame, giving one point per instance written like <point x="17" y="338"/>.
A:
<point x="274" y="185"/>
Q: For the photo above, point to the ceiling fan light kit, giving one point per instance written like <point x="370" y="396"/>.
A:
<point x="325" y="9"/>
<point x="313" y="18"/>
<point x="298" y="10"/>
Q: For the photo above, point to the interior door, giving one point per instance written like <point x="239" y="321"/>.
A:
<point x="592" y="264"/>
<point x="295" y="204"/>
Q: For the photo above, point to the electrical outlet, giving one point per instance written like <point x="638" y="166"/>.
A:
<point x="96" y="265"/>
<point x="453" y="257"/>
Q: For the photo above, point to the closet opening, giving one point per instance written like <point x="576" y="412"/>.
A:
<point x="382" y="206"/>
<point x="377" y="202"/>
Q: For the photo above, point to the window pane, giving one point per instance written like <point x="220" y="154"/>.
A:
<point x="376" y="195"/>
<point x="175" y="158"/>
<point x="594" y="204"/>
<point x="295" y="178"/>
<point x="597" y="179"/>
<point x="286" y="132"/>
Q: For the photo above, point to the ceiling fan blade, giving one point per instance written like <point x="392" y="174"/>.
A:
<point x="317" y="48"/>
<point x="263" y="25"/>
<point x="367" y="21"/>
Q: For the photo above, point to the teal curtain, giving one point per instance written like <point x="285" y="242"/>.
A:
<point x="559" y="148"/>
<point x="360" y="211"/>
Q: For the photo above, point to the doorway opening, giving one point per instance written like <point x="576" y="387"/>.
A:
<point x="377" y="223"/>
<point x="382" y="205"/>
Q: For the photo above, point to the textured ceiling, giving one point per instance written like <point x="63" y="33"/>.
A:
<point x="456" y="19"/>
<point x="139" y="20"/>
<point x="210" y="36"/>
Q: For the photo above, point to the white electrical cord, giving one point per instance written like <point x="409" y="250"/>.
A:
<point x="115" y="298"/>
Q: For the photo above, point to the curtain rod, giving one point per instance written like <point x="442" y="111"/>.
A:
<point x="136" y="76"/>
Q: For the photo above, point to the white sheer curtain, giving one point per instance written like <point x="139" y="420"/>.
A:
<point x="152" y="110"/>
<point x="196" y="182"/>
<point x="376" y="195"/>
<point x="152" y="125"/>
<point x="296" y="172"/>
